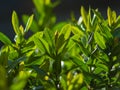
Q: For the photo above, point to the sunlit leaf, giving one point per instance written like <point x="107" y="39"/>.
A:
<point x="34" y="26"/>
<point x="66" y="31"/>
<point x="20" y="81"/>
<point x="29" y="22"/>
<point x="5" y="39"/>
<point x="76" y="30"/>
<point x="99" y="39"/>
<point x="84" y="15"/>
<point x="15" y="23"/>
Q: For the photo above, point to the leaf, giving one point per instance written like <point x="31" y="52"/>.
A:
<point x="103" y="67"/>
<point x="39" y="5"/>
<point x="98" y="14"/>
<point x="20" y="81"/>
<point x="15" y="23"/>
<point x="99" y="39"/>
<point x="59" y="42"/>
<point x="3" y="79"/>
<point x="15" y="63"/>
<point x="39" y="45"/>
<point x="5" y="39"/>
<point x="34" y="26"/>
<point x="42" y="45"/>
<point x="29" y="22"/>
<point x="114" y="16"/>
<point x="105" y="31"/>
<point x="80" y="63"/>
<point x="76" y="30"/>
<point x="4" y="53"/>
<point x="109" y="14"/>
<point x="82" y="48"/>
<point x="84" y="16"/>
<point x="59" y="26"/>
<point x="39" y="70"/>
<point x="38" y="60"/>
<point x="48" y="36"/>
<point x="66" y="31"/>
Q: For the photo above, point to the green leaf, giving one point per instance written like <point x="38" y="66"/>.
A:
<point x="80" y="63"/>
<point x="103" y="67"/>
<point x="109" y="14"/>
<point x="4" y="53"/>
<point x="59" y="26"/>
<point x="29" y="22"/>
<point x="3" y="79"/>
<point x="59" y="42"/>
<point x="39" y="45"/>
<point x="38" y="60"/>
<point x="82" y="48"/>
<point x="34" y="26"/>
<point x="99" y="39"/>
<point x="76" y="30"/>
<point x="66" y="31"/>
<point x="20" y="81"/>
<point x="16" y="62"/>
<point x="105" y="31"/>
<point x="84" y="16"/>
<point x="99" y="16"/>
<point x="5" y="39"/>
<point x="15" y="23"/>
<point x="48" y="36"/>
<point x="39" y="5"/>
<point x="42" y="45"/>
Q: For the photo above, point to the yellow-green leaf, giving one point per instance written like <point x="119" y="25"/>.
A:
<point x="15" y="22"/>
<point x="84" y="15"/>
<point x="99" y="39"/>
<point x="5" y="39"/>
<point x="29" y="22"/>
<point x="109" y="14"/>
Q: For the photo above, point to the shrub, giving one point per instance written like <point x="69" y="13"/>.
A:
<point x="69" y="56"/>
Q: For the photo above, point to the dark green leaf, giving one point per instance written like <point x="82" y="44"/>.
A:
<point x="15" y="63"/>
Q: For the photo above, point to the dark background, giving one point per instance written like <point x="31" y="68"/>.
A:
<point x="62" y="11"/>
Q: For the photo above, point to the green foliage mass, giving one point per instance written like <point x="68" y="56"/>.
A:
<point x="83" y="55"/>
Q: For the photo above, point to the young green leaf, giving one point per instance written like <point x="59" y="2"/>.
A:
<point x="34" y="25"/>
<point x="109" y="14"/>
<point x="29" y="22"/>
<point x="5" y="39"/>
<point x="84" y="15"/>
<point x="76" y="30"/>
<point x="66" y="31"/>
<point x="99" y="40"/>
<point x="15" y="23"/>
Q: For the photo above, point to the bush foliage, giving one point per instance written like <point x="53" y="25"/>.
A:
<point x="81" y="55"/>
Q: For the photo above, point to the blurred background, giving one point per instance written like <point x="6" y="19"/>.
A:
<point x="62" y="11"/>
